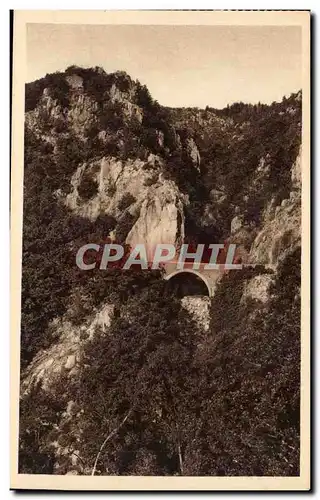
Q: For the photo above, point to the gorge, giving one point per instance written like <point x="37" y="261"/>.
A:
<point x="104" y="160"/>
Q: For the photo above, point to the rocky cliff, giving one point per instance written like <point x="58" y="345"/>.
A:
<point x="168" y="175"/>
<point x="103" y="158"/>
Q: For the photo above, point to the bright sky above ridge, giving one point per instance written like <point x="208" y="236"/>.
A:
<point x="181" y="65"/>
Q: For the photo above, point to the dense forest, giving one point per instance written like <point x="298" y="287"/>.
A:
<point x="155" y="393"/>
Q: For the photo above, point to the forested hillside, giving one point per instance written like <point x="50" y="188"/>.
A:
<point x="113" y="357"/>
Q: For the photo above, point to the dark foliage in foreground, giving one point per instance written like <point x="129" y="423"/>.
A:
<point x="250" y="420"/>
<point x="214" y="404"/>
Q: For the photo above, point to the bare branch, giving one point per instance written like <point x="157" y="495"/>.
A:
<point x="107" y="439"/>
<point x="180" y="459"/>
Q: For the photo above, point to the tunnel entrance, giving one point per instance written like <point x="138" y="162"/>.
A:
<point x="186" y="283"/>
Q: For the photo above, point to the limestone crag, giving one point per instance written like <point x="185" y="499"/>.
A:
<point x="281" y="228"/>
<point x="64" y="356"/>
<point x="156" y="202"/>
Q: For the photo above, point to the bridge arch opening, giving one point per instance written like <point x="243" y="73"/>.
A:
<point x="188" y="282"/>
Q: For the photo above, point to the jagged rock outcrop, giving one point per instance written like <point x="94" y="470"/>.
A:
<point x="281" y="227"/>
<point x="199" y="309"/>
<point x="193" y="152"/>
<point x="258" y="288"/>
<point x="64" y="356"/>
<point x="156" y="203"/>
<point x="236" y="224"/>
<point x="161" y="217"/>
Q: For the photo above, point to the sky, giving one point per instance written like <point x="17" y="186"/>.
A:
<point x="181" y="65"/>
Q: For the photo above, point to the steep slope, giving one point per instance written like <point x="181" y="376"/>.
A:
<point x="103" y="158"/>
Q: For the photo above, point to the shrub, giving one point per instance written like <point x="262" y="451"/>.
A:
<point x="88" y="187"/>
<point x="124" y="226"/>
<point x="57" y="85"/>
<point x="111" y="147"/>
<point x="60" y="125"/>
<point x="143" y="96"/>
<point x="111" y="189"/>
<point x="150" y="181"/>
<point x="125" y="202"/>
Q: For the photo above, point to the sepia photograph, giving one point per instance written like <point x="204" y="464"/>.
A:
<point x="160" y="250"/>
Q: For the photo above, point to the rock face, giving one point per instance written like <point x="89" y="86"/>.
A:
<point x="82" y="113"/>
<point x="65" y="355"/>
<point x="199" y="309"/>
<point x="281" y="230"/>
<point x="193" y="152"/>
<point x="258" y="288"/>
<point x="157" y="203"/>
<point x="126" y="98"/>
<point x="130" y="144"/>
<point x="114" y="178"/>
<point x="236" y="224"/>
<point x="161" y="218"/>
